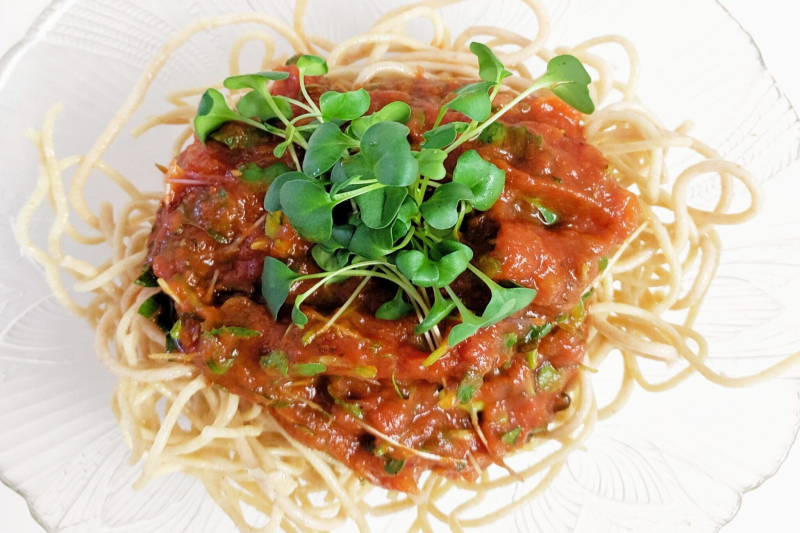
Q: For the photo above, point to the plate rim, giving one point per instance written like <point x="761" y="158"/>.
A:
<point x="57" y="8"/>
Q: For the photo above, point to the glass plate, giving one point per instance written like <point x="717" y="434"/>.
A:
<point x="675" y="461"/>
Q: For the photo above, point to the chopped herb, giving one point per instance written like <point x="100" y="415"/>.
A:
<point x="220" y="368"/>
<point x="147" y="278"/>
<point x="510" y="340"/>
<point x="149" y="307"/>
<point x="603" y="263"/>
<point x="548" y="379"/>
<point x="175" y="332"/>
<point x="351" y="408"/>
<point x="368" y="372"/>
<point x="222" y="239"/>
<point x="538" y="332"/>
<point x="547" y="216"/>
<point x="468" y="387"/>
<point x="394" y="466"/>
<point x="235" y="331"/>
<point x="308" y="369"/>
<point x="253" y="173"/>
<point x="397" y="389"/>
<point x="494" y="134"/>
<point x="510" y="437"/>
<point x="531" y="356"/>
<point x="276" y="360"/>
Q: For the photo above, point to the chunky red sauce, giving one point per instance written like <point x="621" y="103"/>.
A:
<point x="212" y="235"/>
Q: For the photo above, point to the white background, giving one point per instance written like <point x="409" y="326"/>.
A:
<point x="773" y="24"/>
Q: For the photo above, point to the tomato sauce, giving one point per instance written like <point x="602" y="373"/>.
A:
<point x="358" y="390"/>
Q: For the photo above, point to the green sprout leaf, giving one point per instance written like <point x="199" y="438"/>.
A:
<point x="484" y="179"/>
<point x="392" y="112"/>
<point x="380" y="207"/>
<point x="213" y="112"/>
<point x="272" y="200"/>
<point x="473" y="100"/>
<point x="309" y="208"/>
<point x="312" y="65"/>
<point x="455" y="257"/>
<point x="276" y="282"/>
<point x="431" y="163"/>
<point x="394" y="309"/>
<point x="253" y="81"/>
<point x="491" y="69"/>
<point x="441" y="210"/>
<point x="325" y="147"/>
<point x="568" y="79"/>
<point x="254" y="105"/>
<point x="252" y="173"/>
<point x="372" y="243"/>
<point x="416" y="266"/>
<point x="504" y="303"/>
<point x="443" y="136"/>
<point x="329" y="261"/>
<point x="385" y="148"/>
<point x="344" y="106"/>
<point x="440" y="310"/>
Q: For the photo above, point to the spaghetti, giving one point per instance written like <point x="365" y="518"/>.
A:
<point x="245" y="459"/>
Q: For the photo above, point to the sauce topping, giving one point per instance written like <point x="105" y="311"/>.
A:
<point x="358" y="388"/>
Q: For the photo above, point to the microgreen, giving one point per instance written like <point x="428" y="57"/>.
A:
<point x="440" y="310"/>
<point x="252" y="173"/>
<point x="213" y="112"/>
<point x="276" y="282"/>
<point x="344" y="106"/>
<point x="385" y="149"/>
<point x="443" y="136"/>
<point x="253" y="105"/>
<point x="491" y="69"/>
<point x="472" y="100"/>
<point x="392" y="112"/>
<point x="325" y="147"/>
<point x="394" y="309"/>
<point x="441" y="210"/>
<point x="312" y="65"/>
<point x="484" y="179"/>
<point x="310" y="208"/>
<point x="372" y="205"/>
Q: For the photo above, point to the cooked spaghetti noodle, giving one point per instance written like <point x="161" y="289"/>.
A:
<point x="244" y="458"/>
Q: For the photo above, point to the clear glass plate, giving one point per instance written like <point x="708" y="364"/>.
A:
<point x="675" y="461"/>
